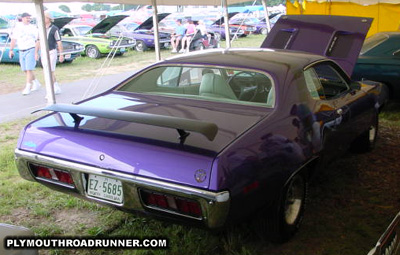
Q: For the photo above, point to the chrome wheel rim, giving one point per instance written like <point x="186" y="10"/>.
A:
<point x="372" y="134"/>
<point x="294" y="199"/>
<point x="139" y="46"/>
<point x="91" y="52"/>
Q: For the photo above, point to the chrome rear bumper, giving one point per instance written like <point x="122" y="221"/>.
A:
<point x="214" y="205"/>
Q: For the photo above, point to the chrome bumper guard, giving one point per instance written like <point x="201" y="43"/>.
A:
<point x="214" y="205"/>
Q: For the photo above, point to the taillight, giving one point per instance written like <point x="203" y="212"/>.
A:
<point x="172" y="203"/>
<point x="52" y="174"/>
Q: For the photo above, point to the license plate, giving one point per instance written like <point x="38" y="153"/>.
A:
<point x="122" y="49"/>
<point x="105" y="188"/>
<point x="67" y="56"/>
<point x="166" y="44"/>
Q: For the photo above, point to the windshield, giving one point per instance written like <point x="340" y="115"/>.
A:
<point x="205" y="83"/>
<point x="373" y="41"/>
<point x="83" y="30"/>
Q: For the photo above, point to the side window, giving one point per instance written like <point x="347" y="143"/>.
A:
<point x="3" y="38"/>
<point x="169" y="77"/>
<point x="313" y="84"/>
<point x="332" y="82"/>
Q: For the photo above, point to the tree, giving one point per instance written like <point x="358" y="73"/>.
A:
<point x="86" y="7"/>
<point x="64" y="8"/>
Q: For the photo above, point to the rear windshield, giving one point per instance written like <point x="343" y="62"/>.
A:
<point x="205" y="83"/>
<point x="372" y="41"/>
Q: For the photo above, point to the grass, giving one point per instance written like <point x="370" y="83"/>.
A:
<point x="349" y="206"/>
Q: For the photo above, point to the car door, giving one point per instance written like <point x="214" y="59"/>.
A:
<point x="337" y="106"/>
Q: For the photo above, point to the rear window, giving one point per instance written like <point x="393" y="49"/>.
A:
<point x="205" y="83"/>
<point x="372" y="42"/>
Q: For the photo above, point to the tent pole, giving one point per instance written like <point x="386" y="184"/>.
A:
<point x="156" y="32"/>
<point x="264" y="3"/>
<point x="227" y="31"/>
<point x="44" y="47"/>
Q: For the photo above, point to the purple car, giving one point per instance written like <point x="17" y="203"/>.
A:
<point x="218" y="28"/>
<point x="213" y="136"/>
<point x="143" y="34"/>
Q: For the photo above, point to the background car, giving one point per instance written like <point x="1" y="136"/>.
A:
<point x="248" y="25"/>
<point x="380" y="61"/>
<point x="143" y="33"/>
<point x="218" y="28"/>
<point x="211" y="137"/>
<point x="95" y="40"/>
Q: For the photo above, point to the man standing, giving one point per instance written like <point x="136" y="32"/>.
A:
<point x="26" y="34"/>
<point x="54" y="41"/>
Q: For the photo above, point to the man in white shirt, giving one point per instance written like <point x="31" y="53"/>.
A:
<point x="26" y="34"/>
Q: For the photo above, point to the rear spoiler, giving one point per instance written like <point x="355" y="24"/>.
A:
<point x="182" y="125"/>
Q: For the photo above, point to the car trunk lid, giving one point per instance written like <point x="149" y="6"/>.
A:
<point x="142" y="149"/>
<point x="339" y="38"/>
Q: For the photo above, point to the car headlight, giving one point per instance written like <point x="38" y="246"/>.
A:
<point x="131" y="41"/>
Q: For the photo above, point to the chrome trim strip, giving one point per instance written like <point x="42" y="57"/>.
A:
<point x="214" y="205"/>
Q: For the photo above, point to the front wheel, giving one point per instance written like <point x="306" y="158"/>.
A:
<point x="217" y="36"/>
<point x="264" y="31"/>
<point x="283" y="219"/>
<point x="92" y="51"/>
<point x="140" y="46"/>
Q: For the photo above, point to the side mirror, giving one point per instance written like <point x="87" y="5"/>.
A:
<point x="355" y="85"/>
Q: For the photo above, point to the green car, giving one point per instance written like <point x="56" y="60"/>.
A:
<point x="95" y="40"/>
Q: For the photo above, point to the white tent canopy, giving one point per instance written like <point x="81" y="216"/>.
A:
<point x="42" y="29"/>
<point x="143" y="2"/>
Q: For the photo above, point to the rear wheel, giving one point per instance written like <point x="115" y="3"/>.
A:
<point x="367" y="140"/>
<point x="140" y="46"/>
<point x="283" y="219"/>
<point x="92" y="51"/>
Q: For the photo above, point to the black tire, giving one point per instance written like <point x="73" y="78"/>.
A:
<point x="264" y="31"/>
<point x="200" y="46"/>
<point x="384" y="96"/>
<point x="284" y="217"/>
<point x="367" y="140"/>
<point x="140" y="46"/>
<point x="92" y="51"/>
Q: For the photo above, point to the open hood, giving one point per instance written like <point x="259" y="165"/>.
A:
<point x="339" y="38"/>
<point x="148" y="23"/>
<point x="221" y="20"/>
<point x="106" y="24"/>
<point x="61" y="22"/>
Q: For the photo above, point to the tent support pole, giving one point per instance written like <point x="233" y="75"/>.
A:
<point x="44" y="47"/>
<point x="226" y="19"/>
<point x="264" y="3"/>
<point x="156" y="32"/>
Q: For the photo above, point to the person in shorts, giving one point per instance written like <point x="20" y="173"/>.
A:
<point x="187" y="39"/>
<point x="26" y="35"/>
<point x="54" y="41"/>
<point x="177" y="36"/>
